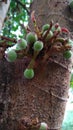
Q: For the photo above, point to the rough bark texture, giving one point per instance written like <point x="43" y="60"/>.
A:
<point x="46" y="95"/>
<point x="3" y="10"/>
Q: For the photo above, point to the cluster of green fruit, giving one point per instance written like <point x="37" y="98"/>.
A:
<point x="35" y="42"/>
<point x="22" y="44"/>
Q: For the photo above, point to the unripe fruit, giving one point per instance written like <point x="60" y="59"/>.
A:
<point x="29" y="73"/>
<point x="58" y="29"/>
<point x="50" y="34"/>
<point x="11" y="55"/>
<point x="38" y="46"/>
<point x="31" y="37"/>
<point x="22" y="44"/>
<point x="53" y="28"/>
<point x="67" y="54"/>
<point x="43" y="126"/>
<point x="16" y="47"/>
<point x="70" y="42"/>
<point x="45" y="27"/>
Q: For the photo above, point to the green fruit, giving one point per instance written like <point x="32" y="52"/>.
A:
<point x="70" y="42"/>
<point x="22" y="44"/>
<point x="43" y="126"/>
<point x="17" y="47"/>
<point x="50" y="34"/>
<point x="31" y="37"/>
<point x="29" y="73"/>
<point x="38" y="46"/>
<point x="11" y="55"/>
<point x="53" y="28"/>
<point x="58" y="29"/>
<point x="45" y="27"/>
<point x="67" y="54"/>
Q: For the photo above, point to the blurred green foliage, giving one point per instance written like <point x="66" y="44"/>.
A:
<point x="18" y="14"/>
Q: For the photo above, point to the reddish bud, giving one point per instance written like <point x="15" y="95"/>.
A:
<point x="56" y="25"/>
<point x="65" y="30"/>
<point x="33" y="16"/>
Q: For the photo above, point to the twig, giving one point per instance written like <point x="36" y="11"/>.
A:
<point x="23" y="5"/>
<point x="48" y="30"/>
<point x="8" y="39"/>
<point x="61" y="98"/>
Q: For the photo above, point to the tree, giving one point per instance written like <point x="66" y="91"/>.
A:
<point x="44" y="97"/>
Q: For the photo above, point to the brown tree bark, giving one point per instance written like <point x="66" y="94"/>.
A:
<point x="45" y="96"/>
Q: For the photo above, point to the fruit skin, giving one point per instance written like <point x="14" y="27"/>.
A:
<point x="11" y="55"/>
<point x="70" y="42"/>
<point x="38" y="46"/>
<point x="22" y="44"/>
<point x="58" y="29"/>
<point x="67" y="54"/>
<point x="43" y="126"/>
<point x="50" y="34"/>
<point x="29" y="73"/>
<point x="45" y="27"/>
<point x="53" y="28"/>
<point x="17" y="47"/>
<point x="31" y="37"/>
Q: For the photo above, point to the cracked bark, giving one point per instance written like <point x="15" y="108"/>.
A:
<point x="46" y="95"/>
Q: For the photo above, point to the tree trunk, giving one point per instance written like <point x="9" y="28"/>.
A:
<point x="3" y="10"/>
<point x="45" y="96"/>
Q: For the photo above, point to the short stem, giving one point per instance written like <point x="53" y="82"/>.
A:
<point x="32" y="62"/>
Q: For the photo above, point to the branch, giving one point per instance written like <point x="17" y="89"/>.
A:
<point x="23" y="5"/>
<point x="8" y="39"/>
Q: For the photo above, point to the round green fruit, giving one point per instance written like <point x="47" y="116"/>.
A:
<point x="58" y="29"/>
<point x="50" y="34"/>
<point x="70" y="42"/>
<point x="67" y="54"/>
<point x="11" y="55"/>
<point x="29" y="73"/>
<point x="16" y="47"/>
<point x="45" y="27"/>
<point x="53" y="28"/>
<point x="22" y="44"/>
<point x="43" y="126"/>
<point x="31" y="37"/>
<point x="38" y="46"/>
